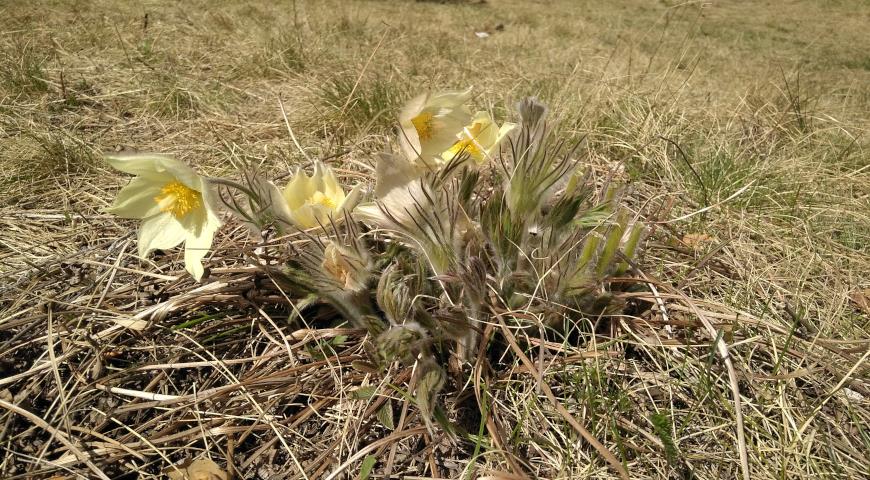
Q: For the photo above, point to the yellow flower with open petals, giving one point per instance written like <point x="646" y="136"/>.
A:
<point x="174" y="203"/>
<point x="479" y="140"/>
<point x="311" y="201"/>
<point x="430" y="123"/>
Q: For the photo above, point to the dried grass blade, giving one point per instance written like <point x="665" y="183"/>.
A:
<point x="563" y="412"/>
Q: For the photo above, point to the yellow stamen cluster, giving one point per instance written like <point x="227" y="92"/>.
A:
<point x="320" y="199"/>
<point x="468" y="146"/>
<point x="424" y="125"/>
<point x="178" y="199"/>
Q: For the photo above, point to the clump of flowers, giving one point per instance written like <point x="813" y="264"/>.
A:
<point x="469" y="222"/>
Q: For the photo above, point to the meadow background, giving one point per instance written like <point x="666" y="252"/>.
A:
<point x="692" y="102"/>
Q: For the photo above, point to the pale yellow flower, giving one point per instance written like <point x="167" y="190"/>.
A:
<point x="479" y="140"/>
<point x="430" y="124"/>
<point x="174" y="203"/>
<point x="311" y="201"/>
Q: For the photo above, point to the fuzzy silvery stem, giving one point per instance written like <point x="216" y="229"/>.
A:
<point x="233" y="184"/>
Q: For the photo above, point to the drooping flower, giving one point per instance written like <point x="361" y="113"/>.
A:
<point x="174" y="203"/>
<point x="414" y="211"/>
<point x="402" y="198"/>
<point x="480" y="139"/>
<point x="311" y="201"/>
<point x="430" y="124"/>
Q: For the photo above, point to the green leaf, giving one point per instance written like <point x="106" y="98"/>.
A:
<point x="593" y="217"/>
<point x="428" y="386"/>
<point x="468" y="185"/>
<point x="630" y="245"/>
<point x="563" y="211"/>
<point x="440" y="417"/>
<point x="662" y="427"/>
<point x="385" y="415"/>
<point x="610" y="246"/>
<point x="368" y="464"/>
<point x="196" y="321"/>
<point x="365" y="367"/>
<point x="364" y="393"/>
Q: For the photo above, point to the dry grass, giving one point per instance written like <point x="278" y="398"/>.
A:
<point x="758" y="112"/>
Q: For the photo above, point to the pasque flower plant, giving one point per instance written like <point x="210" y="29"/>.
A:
<point x="447" y="238"/>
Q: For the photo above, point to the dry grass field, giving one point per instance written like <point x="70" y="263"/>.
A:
<point x="742" y="128"/>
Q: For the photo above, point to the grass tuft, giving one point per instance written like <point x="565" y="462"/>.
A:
<point x="23" y="72"/>
<point x="367" y="105"/>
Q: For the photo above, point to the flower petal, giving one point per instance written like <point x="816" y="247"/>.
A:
<point x="278" y="206"/>
<point x="412" y="109"/>
<point x="404" y="203"/>
<point x="449" y="99"/>
<point x="330" y="186"/>
<point x="483" y="130"/>
<point x="210" y="197"/>
<point x="505" y="129"/>
<point x="156" y="167"/>
<point x="503" y="132"/>
<point x="349" y="202"/>
<point x="409" y="143"/>
<point x="136" y="200"/>
<point x="446" y="115"/>
<point x="446" y="129"/>
<point x="198" y="242"/>
<point x="371" y="213"/>
<point x="298" y="189"/>
<point x="161" y="232"/>
<point x="392" y="171"/>
<point x="304" y="217"/>
<point x="317" y="175"/>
